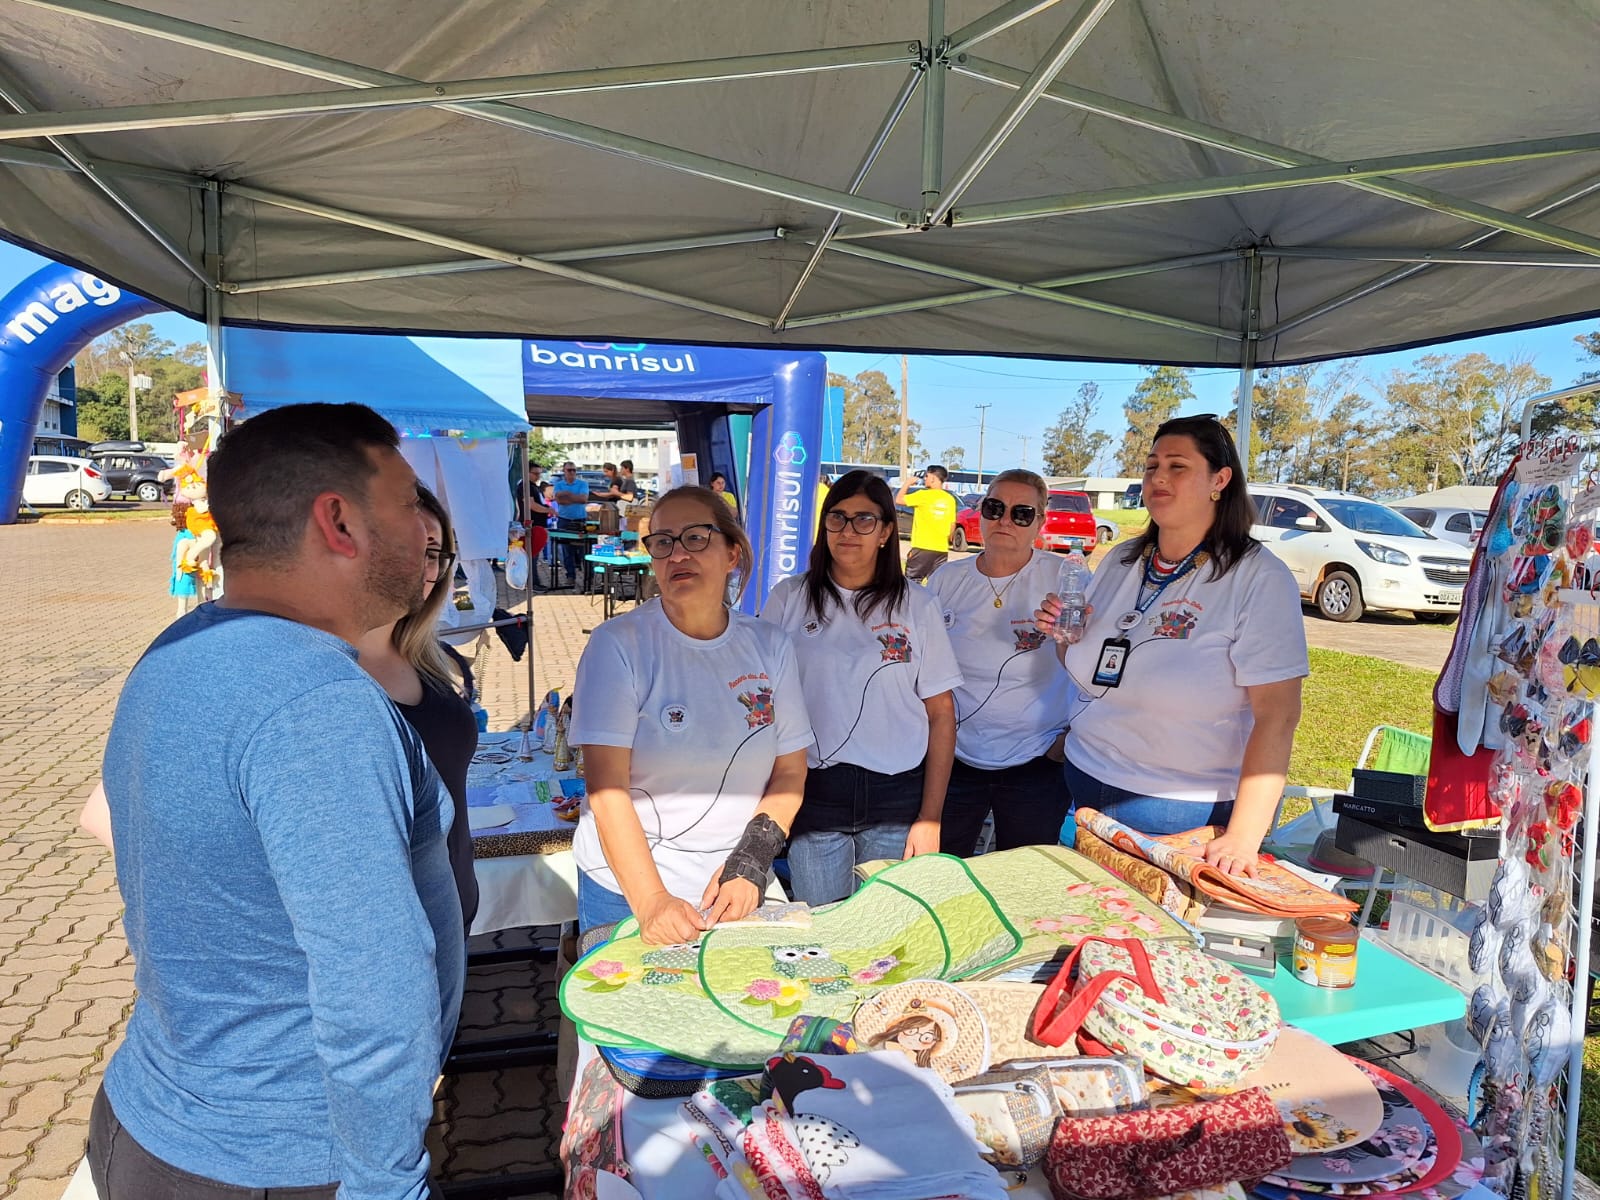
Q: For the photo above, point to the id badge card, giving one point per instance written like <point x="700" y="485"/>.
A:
<point x="1113" y="661"/>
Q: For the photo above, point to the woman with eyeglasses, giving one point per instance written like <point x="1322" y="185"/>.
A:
<point x="877" y="670"/>
<point x="409" y="664"/>
<point x="1012" y="706"/>
<point x="1186" y="681"/>
<point x="694" y="735"/>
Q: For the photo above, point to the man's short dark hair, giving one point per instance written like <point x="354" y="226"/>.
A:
<point x="608" y="466"/>
<point x="936" y="470"/>
<point x="268" y="470"/>
<point x="627" y="465"/>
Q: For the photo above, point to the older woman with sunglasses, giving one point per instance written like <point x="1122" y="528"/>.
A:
<point x="694" y="733"/>
<point x="1186" y="681"/>
<point x="1012" y="706"/>
<point x="877" y="669"/>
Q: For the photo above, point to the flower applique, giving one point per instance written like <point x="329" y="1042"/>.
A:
<point x="606" y="976"/>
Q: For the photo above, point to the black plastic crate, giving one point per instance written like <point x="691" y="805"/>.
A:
<point x="1459" y="865"/>
<point x="1380" y="812"/>
<point x="1390" y="787"/>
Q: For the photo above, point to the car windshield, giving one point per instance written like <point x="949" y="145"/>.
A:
<point x="1363" y="516"/>
<point x="1068" y="502"/>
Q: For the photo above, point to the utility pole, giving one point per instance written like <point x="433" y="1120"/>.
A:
<point x="983" y="419"/>
<point x="133" y="404"/>
<point x="1024" y="438"/>
<point x="905" y="409"/>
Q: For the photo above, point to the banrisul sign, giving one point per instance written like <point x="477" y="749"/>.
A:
<point x="616" y="357"/>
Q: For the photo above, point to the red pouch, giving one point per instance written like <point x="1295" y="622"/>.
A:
<point x="1162" y="1151"/>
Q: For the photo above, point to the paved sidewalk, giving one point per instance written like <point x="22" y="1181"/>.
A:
<point x="78" y="604"/>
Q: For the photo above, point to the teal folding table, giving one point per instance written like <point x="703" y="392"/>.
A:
<point x="1391" y="995"/>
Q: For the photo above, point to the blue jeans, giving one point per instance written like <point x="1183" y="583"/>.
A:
<point x="599" y="905"/>
<point x="850" y="815"/>
<point x="1154" y="815"/>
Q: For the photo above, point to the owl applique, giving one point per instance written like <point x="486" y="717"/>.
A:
<point x="826" y="974"/>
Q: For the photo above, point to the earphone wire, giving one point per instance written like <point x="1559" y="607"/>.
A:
<point x="826" y="760"/>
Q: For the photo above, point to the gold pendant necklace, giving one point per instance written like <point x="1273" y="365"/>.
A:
<point x="1000" y="593"/>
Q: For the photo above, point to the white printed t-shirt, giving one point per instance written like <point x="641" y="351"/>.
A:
<point x="865" y="681"/>
<point x="1013" y="701"/>
<point x="1177" y="724"/>
<point x="689" y="710"/>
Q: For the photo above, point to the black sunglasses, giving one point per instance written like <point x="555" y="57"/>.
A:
<point x="993" y="508"/>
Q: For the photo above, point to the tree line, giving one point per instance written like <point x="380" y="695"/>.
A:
<point x="102" y="376"/>
<point x="1447" y="419"/>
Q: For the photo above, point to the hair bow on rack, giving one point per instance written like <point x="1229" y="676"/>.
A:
<point x="1581" y="661"/>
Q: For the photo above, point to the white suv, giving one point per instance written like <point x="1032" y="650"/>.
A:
<point x="1350" y="554"/>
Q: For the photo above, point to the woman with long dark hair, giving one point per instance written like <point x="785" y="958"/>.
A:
<point x="1186" y="681"/>
<point x="877" y="671"/>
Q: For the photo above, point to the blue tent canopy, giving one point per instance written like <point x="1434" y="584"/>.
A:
<point x="400" y="377"/>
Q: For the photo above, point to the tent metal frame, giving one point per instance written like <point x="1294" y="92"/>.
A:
<point x="846" y="216"/>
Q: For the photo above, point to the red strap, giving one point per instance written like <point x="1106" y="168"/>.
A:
<point x="1056" y="1028"/>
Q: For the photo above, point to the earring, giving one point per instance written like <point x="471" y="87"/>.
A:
<point x="1215" y="496"/>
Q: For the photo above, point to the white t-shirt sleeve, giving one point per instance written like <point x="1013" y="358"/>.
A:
<point x="776" y="609"/>
<point x="793" y="723"/>
<point x="939" y="671"/>
<point x="605" y="698"/>
<point x="1271" y="642"/>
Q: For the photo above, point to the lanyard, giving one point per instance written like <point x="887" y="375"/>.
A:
<point x="1152" y="585"/>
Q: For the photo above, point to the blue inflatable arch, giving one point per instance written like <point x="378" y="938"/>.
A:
<point x="616" y="383"/>
<point x="44" y="321"/>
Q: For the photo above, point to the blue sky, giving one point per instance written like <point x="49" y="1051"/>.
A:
<point x="1027" y="394"/>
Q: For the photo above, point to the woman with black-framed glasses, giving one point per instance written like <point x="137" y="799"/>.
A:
<point x="878" y="671"/>
<point x="694" y="735"/>
<point x="408" y="663"/>
<point x="1011" y="708"/>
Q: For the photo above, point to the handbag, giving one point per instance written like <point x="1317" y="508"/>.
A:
<point x="1192" y="1019"/>
<point x="1163" y="1151"/>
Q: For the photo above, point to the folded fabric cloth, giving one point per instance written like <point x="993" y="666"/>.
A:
<point x="1275" y="890"/>
<point x="875" y="1127"/>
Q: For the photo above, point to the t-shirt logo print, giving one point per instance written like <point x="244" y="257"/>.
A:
<point x="1177" y="623"/>
<point x="1028" y="639"/>
<point x="675" y="718"/>
<point x="896" y="647"/>
<point x="759" y="708"/>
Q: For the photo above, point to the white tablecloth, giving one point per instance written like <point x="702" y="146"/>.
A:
<point x="519" y="889"/>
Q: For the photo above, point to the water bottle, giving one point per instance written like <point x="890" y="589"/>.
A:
<point x="552" y="712"/>
<point x="1071" y="587"/>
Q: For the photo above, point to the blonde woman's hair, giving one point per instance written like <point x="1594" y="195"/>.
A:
<point x="416" y="635"/>
<point x="726" y="521"/>
<point x="1027" y="479"/>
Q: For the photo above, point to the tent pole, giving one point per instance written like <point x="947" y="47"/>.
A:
<point x="1249" y="347"/>
<point x="13" y="95"/>
<point x="1441" y="257"/>
<point x="533" y="575"/>
<point x="1055" y="60"/>
<point x="874" y="148"/>
<point x="1145" y="117"/>
<point x="937" y="67"/>
<point x="855" y="250"/>
<point x="216" y="379"/>
<point x="1059" y="281"/>
<point x="996" y="21"/>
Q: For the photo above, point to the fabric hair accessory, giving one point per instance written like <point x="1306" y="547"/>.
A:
<point x="751" y="859"/>
<point x="1163" y="1151"/>
<point x="1192" y="1019"/>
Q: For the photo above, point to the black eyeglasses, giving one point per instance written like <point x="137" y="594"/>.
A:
<point x="694" y="538"/>
<point x="439" y="560"/>
<point x="993" y="509"/>
<point x="834" y="521"/>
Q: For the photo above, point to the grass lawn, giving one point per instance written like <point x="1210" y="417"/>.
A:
<point x="1131" y="520"/>
<point x="1345" y="697"/>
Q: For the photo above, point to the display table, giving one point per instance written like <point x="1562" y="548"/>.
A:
<point x="525" y="869"/>
<point x="1390" y="995"/>
<point x="613" y="569"/>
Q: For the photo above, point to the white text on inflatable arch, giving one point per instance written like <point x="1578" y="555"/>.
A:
<point x="64" y="298"/>
<point x="676" y="364"/>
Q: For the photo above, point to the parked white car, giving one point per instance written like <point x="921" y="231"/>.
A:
<point x="1350" y="554"/>
<point x="74" y="482"/>
<point x="1463" y="526"/>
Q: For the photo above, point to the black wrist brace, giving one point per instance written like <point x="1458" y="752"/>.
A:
<point x="751" y="859"/>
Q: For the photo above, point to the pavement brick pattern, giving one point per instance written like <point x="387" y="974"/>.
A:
<point x="79" y="601"/>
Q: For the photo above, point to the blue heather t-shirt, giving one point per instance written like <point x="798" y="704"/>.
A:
<point x="280" y="847"/>
<point x="578" y="487"/>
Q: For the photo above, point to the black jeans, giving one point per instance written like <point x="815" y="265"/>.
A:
<point x="1029" y="802"/>
<point x="124" y="1170"/>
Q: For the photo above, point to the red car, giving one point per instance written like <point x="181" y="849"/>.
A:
<point x="1068" y="524"/>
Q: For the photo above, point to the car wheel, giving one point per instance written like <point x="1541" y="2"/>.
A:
<point x="1339" y="597"/>
<point x="958" y="540"/>
<point x="149" y="492"/>
<point x="79" y="500"/>
<point x="1104" y="535"/>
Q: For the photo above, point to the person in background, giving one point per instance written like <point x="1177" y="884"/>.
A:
<point x="627" y="486"/>
<point x="295" y="928"/>
<point x="719" y="485"/>
<point x="571" y="495"/>
<point x="877" y="771"/>
<point x="1012" y="706"/>
<point x="407" y="661"/>
<point x="694" y="736"/>
<point x="609" y="491"/>
<point x="1199" y="725"/>
<point x="537" y="519"/>
<point x="933" y="518"/>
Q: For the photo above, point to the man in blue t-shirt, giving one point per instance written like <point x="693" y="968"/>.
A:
<point x="572" y="516"/>
<point x="280" y="843"/>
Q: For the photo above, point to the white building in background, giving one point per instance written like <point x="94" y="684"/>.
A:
<point x="58" y="415"/>
<point x="590" y="448"/>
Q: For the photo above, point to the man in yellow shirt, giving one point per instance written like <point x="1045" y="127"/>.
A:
<point x="933" y="518"/>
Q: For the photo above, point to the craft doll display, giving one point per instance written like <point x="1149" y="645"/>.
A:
<point x="200" y="555"/>
<point x="181" y="583"/>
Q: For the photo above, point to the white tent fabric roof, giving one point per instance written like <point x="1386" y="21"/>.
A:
<point x="1151" y="180"/>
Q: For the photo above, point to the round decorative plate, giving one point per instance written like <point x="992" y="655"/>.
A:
<point x="1402" y="1139"/>
<point x="1326" y="1101"/>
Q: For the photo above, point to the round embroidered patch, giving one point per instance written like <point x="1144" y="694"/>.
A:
<point x="675" y="718"/>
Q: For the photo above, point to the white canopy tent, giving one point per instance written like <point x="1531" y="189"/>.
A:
<point x="1183" y="181"/>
